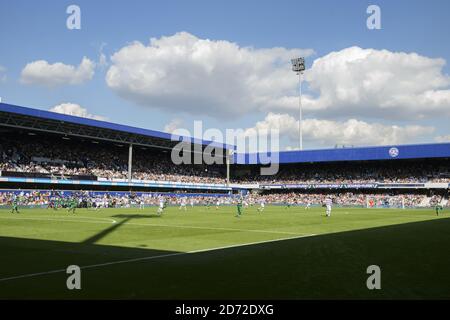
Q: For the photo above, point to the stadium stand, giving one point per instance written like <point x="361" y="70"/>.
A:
<point x="47" y="156"/>
<point x="383" y="171"/>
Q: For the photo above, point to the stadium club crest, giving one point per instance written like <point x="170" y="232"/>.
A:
<point x="393" y="152"/>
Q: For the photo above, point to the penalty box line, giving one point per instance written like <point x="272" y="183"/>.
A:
<point x="99" y="265"/>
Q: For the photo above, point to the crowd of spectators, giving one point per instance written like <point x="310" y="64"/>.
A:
<point x="65" y="159"/>
<point x="407" y="200"/>
<point x="109" y="199"/>
<point x="59" y="158"/>
<point x="355" y="173"/>
<point x="132" y="199"/>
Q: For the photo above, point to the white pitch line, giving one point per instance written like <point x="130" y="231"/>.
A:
<point x="99" y="265"/>
<point x="252" y="243"/>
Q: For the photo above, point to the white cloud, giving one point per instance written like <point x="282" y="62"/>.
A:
<point x="442" y="138"/>
<point x="40" y="72"/>
<point x="201" y="76"/>
<point x="349" y="132"/>
<point x="378" y="83"/>
<point x="74" y="109"/>
<point x="173" y="125"/>
<point x="222" y="79"/>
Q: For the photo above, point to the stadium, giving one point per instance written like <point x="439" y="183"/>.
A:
<point x="106" y="197"/>
<point x="224" y="159"/>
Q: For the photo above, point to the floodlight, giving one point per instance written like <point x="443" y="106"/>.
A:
<point x="298" y="66"/>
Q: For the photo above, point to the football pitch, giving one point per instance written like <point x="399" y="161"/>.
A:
<point x="210" y="254"/>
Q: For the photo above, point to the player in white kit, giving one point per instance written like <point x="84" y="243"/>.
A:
<point x="162" y="205"/>
<point x="217" y="204"/>
<point x="262" y="206"/>
<point x="183" y="204"/>
<point x="328" y="203"/>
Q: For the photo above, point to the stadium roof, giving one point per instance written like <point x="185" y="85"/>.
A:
<point x="392" y="152"/>
<point x="41" y="120"/>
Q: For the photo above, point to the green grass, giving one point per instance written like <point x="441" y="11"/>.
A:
<point x="184" y="255"/>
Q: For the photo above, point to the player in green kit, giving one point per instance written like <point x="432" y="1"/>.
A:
<point x="239" y="208"/>
<point x="438" y="209"/>
<point x="15" y="206"/>
<point x="89" y="204"/>
<point x="287" y="204"/>
<point x="72" y="204"/>
<point x="57" y="204"/>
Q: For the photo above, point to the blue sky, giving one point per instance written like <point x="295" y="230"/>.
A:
<point x="32" y="31"/>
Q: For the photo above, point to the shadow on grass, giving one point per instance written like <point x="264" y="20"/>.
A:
<point x="135" y="216"/>
<point x="24" y="256"/>
<point x="413" y="258"/>
<point x="105" y="232"/>
<point x="126" y="217"/>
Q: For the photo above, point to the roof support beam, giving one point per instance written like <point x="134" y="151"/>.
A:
<point x="130" y="162"/>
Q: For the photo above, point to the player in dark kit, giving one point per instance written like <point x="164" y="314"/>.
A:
<point x="15" y="206"/>
<point x="438" y="209"/>
<point x="239" y="208"/>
